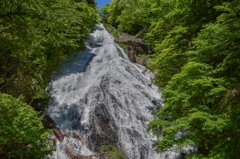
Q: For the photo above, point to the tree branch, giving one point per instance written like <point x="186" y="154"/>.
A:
<point x="9" y="14"/>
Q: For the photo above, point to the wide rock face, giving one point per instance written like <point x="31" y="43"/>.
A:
<point x="106" y="99"/>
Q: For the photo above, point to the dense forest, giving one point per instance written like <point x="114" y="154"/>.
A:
<point x="196" y="61"/>
<point x="35" y="36"/>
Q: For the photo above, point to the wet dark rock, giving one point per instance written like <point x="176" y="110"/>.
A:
<point x="107" y="134"/>
<point x="48" y="122"/>
<point x="158" y="103"/>
<point x="135" y="47"/>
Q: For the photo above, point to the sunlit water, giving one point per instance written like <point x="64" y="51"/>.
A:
<point x="104" y="97"/>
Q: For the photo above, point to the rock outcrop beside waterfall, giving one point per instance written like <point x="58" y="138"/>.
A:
<point x="106" y="99"/>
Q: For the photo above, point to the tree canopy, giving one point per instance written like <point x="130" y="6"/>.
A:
<point x="22" y="133"/>
<point x="35" y="36"/>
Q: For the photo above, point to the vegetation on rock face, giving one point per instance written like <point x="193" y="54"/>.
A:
<point x="35" y="36"/>
<point x="111" y="152"/>
<point x="197" y="63"/>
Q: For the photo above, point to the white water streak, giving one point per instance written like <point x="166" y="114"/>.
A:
<point x="102" y="85"/>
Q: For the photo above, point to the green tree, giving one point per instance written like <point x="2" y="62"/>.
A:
<point x="171" y="36"/>
<point x="21" y="132"/>
<point x="140" y="10"/>
<point x="202" y="100"/>
<point x="35" y="37"/>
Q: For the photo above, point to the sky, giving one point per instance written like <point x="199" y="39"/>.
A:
<point x="102" y="3"/>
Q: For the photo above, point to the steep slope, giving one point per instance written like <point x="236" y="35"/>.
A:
<point x="106" y="98"/>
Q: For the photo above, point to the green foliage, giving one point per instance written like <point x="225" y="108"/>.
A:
<point x="104" y="14"/>
<point x="179" y="23"/>
<point x="172" y="56"/>
<point x="112" y="152"/>
<point x="21" y="132"/>
<point x="196" y="62"/>
<point x="167" y="26"/>
<point x="114" y="10"/>
<point x="35" y="37"/>
<point x="202" y="99"/>
<point x="119" y="10"/>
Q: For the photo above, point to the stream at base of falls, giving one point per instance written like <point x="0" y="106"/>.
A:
<point x="105" y="99"/>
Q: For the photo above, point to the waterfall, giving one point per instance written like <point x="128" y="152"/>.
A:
<point x="106" y="99"/>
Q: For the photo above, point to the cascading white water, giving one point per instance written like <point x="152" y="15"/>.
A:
<point x="105" y="98"/>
